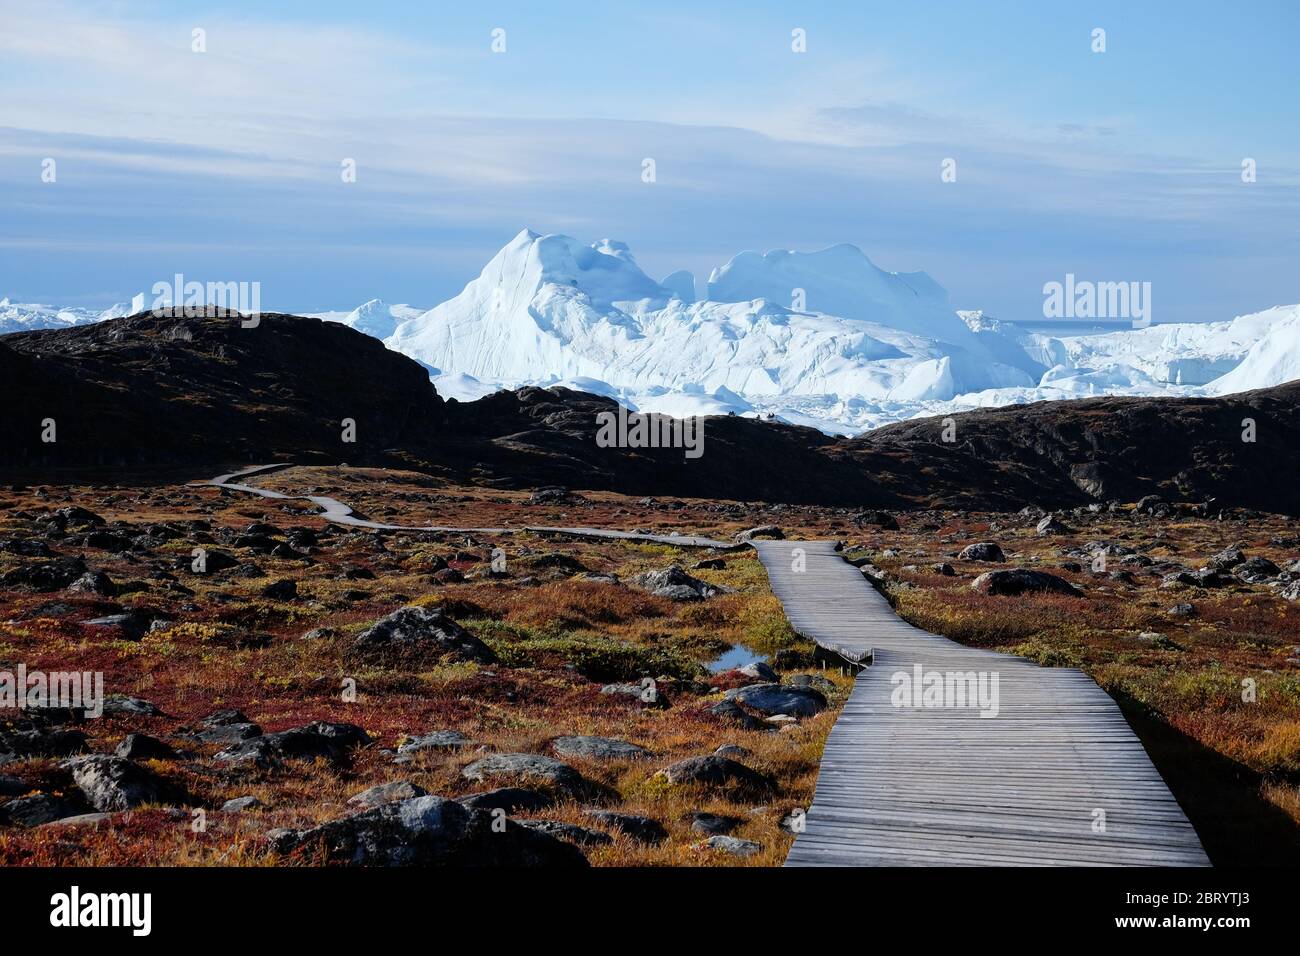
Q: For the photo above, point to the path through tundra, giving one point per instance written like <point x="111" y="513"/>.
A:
<point x="1057" y="777"/>
<point x="943" y="786"/>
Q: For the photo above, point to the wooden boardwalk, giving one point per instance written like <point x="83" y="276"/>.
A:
<point x="337" y="512"/>
<point x="943" y="786"/>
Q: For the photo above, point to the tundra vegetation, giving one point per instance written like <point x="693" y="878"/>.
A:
<point x="285" y="687"/>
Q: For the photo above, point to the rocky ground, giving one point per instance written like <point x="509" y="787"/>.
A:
<point x="322" y="694"/>
<point x="318" y="694"/>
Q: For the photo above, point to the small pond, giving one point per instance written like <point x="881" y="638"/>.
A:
<point x="736" y="656"/>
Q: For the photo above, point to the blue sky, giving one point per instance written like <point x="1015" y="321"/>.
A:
<point x="1123" y="165"/>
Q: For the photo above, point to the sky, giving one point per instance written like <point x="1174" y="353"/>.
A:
<point x="225" y="164"/>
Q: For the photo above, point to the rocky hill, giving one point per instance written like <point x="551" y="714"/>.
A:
<point x="151" y="392"/>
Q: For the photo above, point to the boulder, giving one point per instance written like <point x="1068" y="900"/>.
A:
<point x="1257" y="569"/>
<point x="282" y="590"/>
<point x="110" y="784"/>
<point x="386" y="793"/>
<point x="508" y="800"/>
<point x="732" y="713"/>
<point x="420" y="633"/>
<point x="39" y="808"/>
<point x="429" y="830"/>
<point x="982" y="551"/>
<point x="131" y="625"/>
<point x="760" y="670"/>
<point x="1153" y="505"/>
<point x="570" y="832"/>
<point x="815" y="681"/>
<point x="40" y="742"/>
<point x="94" y="582"/>
<point x="780" y="699"/>
<point x="675" y="584"/>
<point x="734" y="751"/>
<point x="598" y="748"/>
<point x="717" y="772"/>
<point x="46" y="575"/>
<point x="714" y="824"/>
<point x="768" y="531"/>
<point x="733" y="846"/>
<point x="434" y="740"/>
<point x="1051" y="524"/>
<point x="241" y="805"/>
<point x="1015" y="581"/>
<point x="144" y="747"/>
<point x="212" y="562"/>
<point x="534" y="768"/>
<point x="318" y="740"/>
<point x="648" y="695"/>
<point x="121" y="705"/>
<point x="1226" y="559"/>
<point x="641" y="829"/>
<point x="225" y="727"/>
<point x="880" y="519"/>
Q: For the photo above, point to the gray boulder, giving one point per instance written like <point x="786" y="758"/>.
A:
<point x="38" y="809"/>
<point x="675" y="584"/>
<point x="598" y="748"/>
<point x="429" y="830"/>
<point x="380" y="794"/>
<point x="1226" y="559"/>
<point x="40" y="742"/>
<point x="318" y="740"/>
<point x="570" y="832"/>
<point x="780" y="699"/>
<point x="144" y="747"/>
<point x="760" y="670"/>
<point x="241" y="804"/>
<point x="714" y="824"/>
<point x="422" y="633"/>
<point x="437" y="740"/>
<point x="508" y="800"/>
<point x="1014" y="581"/>
<point x="732" y="713"/>
<point x="982" y="551"/>
<point x="1051" y="524"/>
<point x="641" y="829"/>
<point x="717" y="772"/>
<point x="537" y="769"/>
<point x="110" y="784"/>
<point x="733" y="845"/>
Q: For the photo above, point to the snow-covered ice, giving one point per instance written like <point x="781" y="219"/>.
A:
<point x="824" y="338"/>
